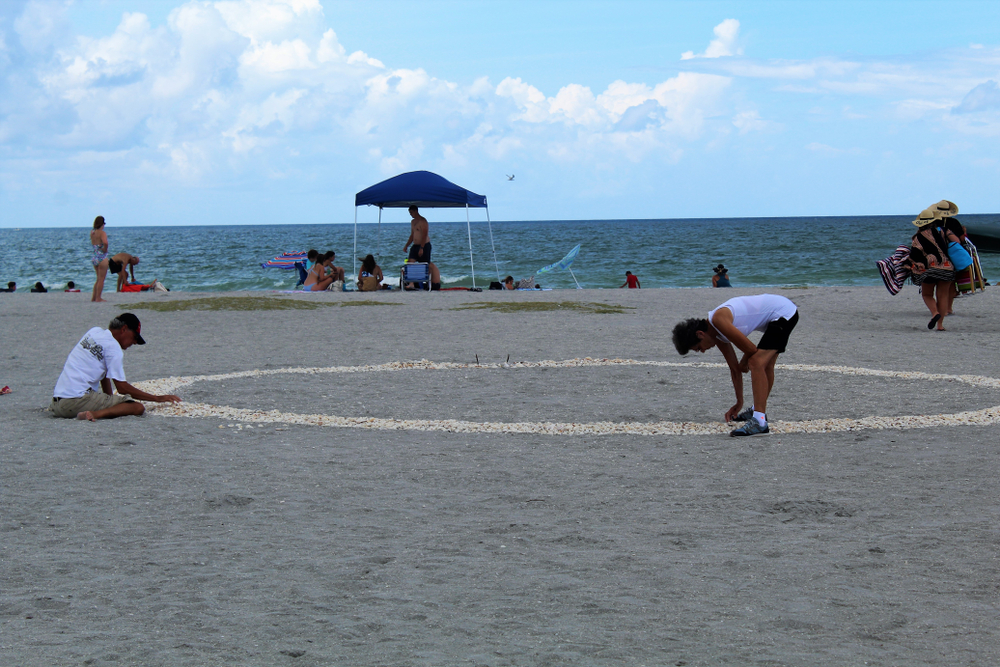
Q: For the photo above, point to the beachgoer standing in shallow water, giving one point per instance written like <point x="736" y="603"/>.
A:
<point x="631" y="281"/>
<point x="729" y="325"/>
<point x="721" y="277"/>
<point x="99" y="258"/>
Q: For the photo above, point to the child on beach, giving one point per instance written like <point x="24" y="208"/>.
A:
<point x="631" y="281"/>
<point x="729" y="325"/>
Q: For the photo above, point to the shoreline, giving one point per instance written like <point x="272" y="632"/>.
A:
<point x="191" y="540"/>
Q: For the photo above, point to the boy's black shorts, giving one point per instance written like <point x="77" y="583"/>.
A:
<point x="776" y="334"/>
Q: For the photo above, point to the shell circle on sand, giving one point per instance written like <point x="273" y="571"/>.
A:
<point x="983" y="417"/>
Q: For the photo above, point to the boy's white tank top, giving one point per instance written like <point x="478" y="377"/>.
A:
<point x="754" y="313"/>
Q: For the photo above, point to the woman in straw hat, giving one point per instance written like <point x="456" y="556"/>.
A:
<point x="930" y="266"/>
<point x="953" y="231"/>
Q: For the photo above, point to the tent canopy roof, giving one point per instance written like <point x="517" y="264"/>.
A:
<point x="418" y="188"/>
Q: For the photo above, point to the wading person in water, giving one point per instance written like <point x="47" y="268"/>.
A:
<point x="728" y="326"/>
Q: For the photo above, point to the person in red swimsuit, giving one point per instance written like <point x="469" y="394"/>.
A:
<point x="631" y="281"/>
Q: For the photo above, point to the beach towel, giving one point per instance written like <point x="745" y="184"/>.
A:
<point x="893" y="271"/>
<point x="286" y="261"/>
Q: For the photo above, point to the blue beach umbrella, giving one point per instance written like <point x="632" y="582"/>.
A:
<point x="563" y="265"/>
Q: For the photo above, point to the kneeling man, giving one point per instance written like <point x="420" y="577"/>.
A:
<point x="84" y="389"/>
<point x="729" y="325"/>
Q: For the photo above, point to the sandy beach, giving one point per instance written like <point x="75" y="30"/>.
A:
<point x="384" y="536"/>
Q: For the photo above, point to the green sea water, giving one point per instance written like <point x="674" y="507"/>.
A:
<point x="759" y="252"/>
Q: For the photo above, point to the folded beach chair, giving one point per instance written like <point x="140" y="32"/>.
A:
<point x="418" y="273"/>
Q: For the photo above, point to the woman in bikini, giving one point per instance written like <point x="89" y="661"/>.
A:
<point x="317" y="280"/>
<point x="370" y="277"/>
<point x="99" y="241"/>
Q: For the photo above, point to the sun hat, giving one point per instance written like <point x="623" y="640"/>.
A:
<point x="926" y="217"/>
<point x="720" y="269"/>
<point x="945" y="208"/>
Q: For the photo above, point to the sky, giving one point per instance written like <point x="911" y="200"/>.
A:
<point x="164" y="112"/>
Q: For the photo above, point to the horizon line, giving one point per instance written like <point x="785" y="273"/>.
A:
<point x="458" y="222"/>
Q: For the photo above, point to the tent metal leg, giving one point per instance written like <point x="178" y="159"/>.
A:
<point x="354" y="262"/>
<point x="496" y="265"/>
<point x="468" y="225"/>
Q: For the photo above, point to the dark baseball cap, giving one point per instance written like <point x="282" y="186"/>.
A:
<point x="132" y="322"/>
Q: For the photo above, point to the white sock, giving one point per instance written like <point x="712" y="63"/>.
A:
<point x="761" y="417"/>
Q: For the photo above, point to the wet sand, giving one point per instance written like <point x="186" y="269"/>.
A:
<point x="169" y="540"/>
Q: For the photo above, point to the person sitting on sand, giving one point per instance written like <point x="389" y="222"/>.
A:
<point x="71" y="287"/>
<point x="122" y="264"/>
<point x="721" y="277"/>
<point x="39" y="288"/>
<point x="370" y="276"/>
<point x="508" y="282"/>
<point x="631" y="281"/>
<point x="84" y="388"/>
<point x="317" y="280"/>
<point x="336" y="271"/>
<point x="311" y="258"/>
<point x="11" y="287"/>
<point x="729" y="325"/>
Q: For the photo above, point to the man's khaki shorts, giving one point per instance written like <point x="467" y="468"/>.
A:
<point x="89" y="402"/>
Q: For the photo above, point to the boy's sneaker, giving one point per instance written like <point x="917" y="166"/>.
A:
<point x="752" y="427"/>
<point x="745" y="415"/>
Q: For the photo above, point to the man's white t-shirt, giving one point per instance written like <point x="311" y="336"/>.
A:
<point x="97" y="356"/>
<point x="754" y="313"/>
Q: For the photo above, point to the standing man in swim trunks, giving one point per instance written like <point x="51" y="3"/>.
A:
<point x="730" y="324"/>
<point x="420" y="237"/>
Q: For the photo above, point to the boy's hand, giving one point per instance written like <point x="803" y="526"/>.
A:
<point x="733" y="411"/>
<point x="745" y="364"/>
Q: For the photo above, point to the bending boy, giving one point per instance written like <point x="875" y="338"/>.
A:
<point x="729" y="325"/>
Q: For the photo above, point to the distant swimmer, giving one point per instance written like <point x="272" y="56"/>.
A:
<point x="510" y="177"/>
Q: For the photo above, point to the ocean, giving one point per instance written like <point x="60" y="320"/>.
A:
<point x="759" y="252"/>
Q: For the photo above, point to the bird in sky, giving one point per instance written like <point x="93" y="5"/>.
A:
<point x="510" y="177"/>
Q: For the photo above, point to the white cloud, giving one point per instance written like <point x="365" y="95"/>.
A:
<point x="984" y="97"/>
<point x="749" y="121"/>
<point x="824" y="149"/>
<point x="724" y="44"/>
<point x="265" y="88"/>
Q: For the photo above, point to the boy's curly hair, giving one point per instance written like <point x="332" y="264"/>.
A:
<point x="686" y="333"/>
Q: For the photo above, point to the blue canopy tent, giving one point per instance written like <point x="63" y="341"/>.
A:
<point x="422" y="189"/>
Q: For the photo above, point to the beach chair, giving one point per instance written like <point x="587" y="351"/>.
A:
<point x="418" y="273"/>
